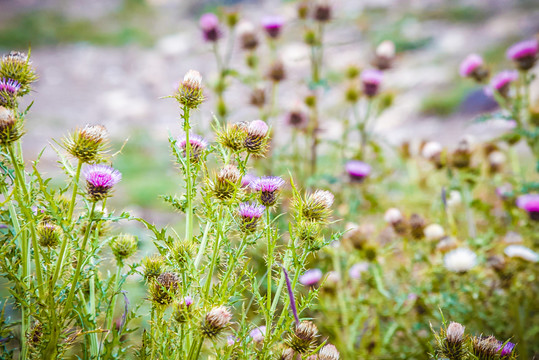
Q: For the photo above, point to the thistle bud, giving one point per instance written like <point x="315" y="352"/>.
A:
<point x="182" y="252"/>
<point x="182" y="310"/>
<point x="216" y="321"/>
<point x="87" y="144"/>
<point x="18" y="67"/>
<point x="268" y="188"/>
<point x="249" y="215"/>
<point x="496" y="160"/>
<point x="211" y="31"/>
<point x="384" y="55"/>
<point x="434" y="232"/>
<point x="316" y="206"/>
<point x="322" y="11"/>
<point x="10" y="127"/>
<point x="224" y="185"/>
<point x="197" y="149"/>
<point x="303" y="339"/>
<point x="297" y="118"/>
<point x="524" y="54"/>
<point x="308" y="232"/>
<point x="417" y="225"/>
<point x="153" y="267"/>
<point x="371" y="80"/>
<point x="48" y="234"/>
<point x="256" y="140"/>
<point x="276" y="72"/>
<point x="485" y="348"/>
<point x="9" y="90"/>
<point x="190" y="93"/>
<point x="164" y="288"/>
<point x="451" y="344"/>
<point x="123" y="247"/>
<point x="100" y="179"/>
<point x="273" y="25"/>
<point x="473" y="66"/>
<point x="258" y="97"/>
<point x="328" y="352"/>
<point x="232" y="136"/>
<point x="247" y="35"/>
<point x="288" y="354"/>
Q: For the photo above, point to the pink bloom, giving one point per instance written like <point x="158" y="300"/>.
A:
<point x="371" y="79"/>
<point x="530" y="203"/>
<point x="100" y="179"/>
<point x="470" y="64"/>
<point x="273" y="25"/>
<point x="501" y="81"/>
<point x="267" y="186"/>
<point x="356" y="270"/>
<point x="526" y="48"/>
<point x="258" y="334"/>
<point x="357" y="170"/>
<point x="209" y="23"/>
<point x="311" y="277"/>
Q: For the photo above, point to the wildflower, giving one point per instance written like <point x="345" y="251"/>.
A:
<point x="9" y="90"/>
<point x="473" y="66"/>
<point x="250" y="214"/>
<point x="328" y="352"/>
<point x="358" y="235"/>
<point x="394" y="217"/>
<point x="209" y="23"/>
<point x="303" y="339"/>
<point x="446" y="244"/>
<point x="258" y="97"/>
<point x="434" y="232"/>
<point x="87" y="144"/>
<point x="216" y="321"/>
<point x="190" y="93"/>
<point x="384" y="55"/>
<point x="225" y="183"/>
<point x="417" y="224"/>
<point x="247" y="179"/>
<point x="123" y="247"/>
<point x="524" y="54"/>
<point x="182" y="309"/>
<point x="10" y="126"/>
<point x="322" y="11"/>
<point x="451" y="344"/>
<point x="247" y="35"/>
<point x="506" y="350"/>
<point x="48" y="234"/>
<point x="485" y="348"/>
<point x="232" y="136"/>
<point x="164" y="288"/>
<point x="460" y="260"/>
<point x="100" y="179"/>
<point x="18" y="67"/>
<point x="357" y="269"/>
<point x="496" y="159"/>
<point x="258" y="334"/>
<point x="198" y="146"/>
<point x="316" y="206"/>
<point x="276" y="72"/>
<point x="357" y="170"/>
<point x="256" y="139"/>
<point x="297" y="118"/>
<point x="522" y="252"/>
<point x="153" y="267"/>
<point x="501" y="82"/>
<point x="273" y="25"/>
<point x="268" y="188"/>
<point x="530" y="203"/>
<point x="371" y="80"/>
<point x="311" y="277"/>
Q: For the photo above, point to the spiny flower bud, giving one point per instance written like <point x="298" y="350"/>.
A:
<point x="485" y="348"/>
<point x="328" y="352"/>
<point x="182" y="309"/>
<point x="18" y="67"/>
<point x="190" y="93"/>
<point x="123" y="247"/>
<point x="303" y="339"/>
<point x="100" y="179"/>
<point x="309" y="233"/>
<point x="256" y="140"/>
<point x="417" y="225"/>
<point x="183" y="251"/>
<point x="10" y="127"/>
<point x="216" y="321"/>
<point x="249" y="216"/>
<point x="316" y="206"/>
<point x="48" y="234"/>
<point x="9" y="90"/>
<point x="272" y="25"/>
<point x="225" y="183"/>
<point x="153" y="267"/>
<point x="524" y="54"/>
<point x="455" y="333"/>
<point x="198" y="146"/>
<point x="247" y="35"/>
<point x="394" y="217"/>
<point x="209" y="23"/>
<point x="462" y="155"/>
<point x="268" y="188"/>
<point x="322" y="11"/>
<point x="288" y="354"/>
<point x="164" y="288"/>
<point x="232" y="136"/>
<point x="276" y="72"/>
<point x="87" y="144"/>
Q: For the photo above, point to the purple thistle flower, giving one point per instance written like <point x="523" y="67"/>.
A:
<point x="530" y="203"/>
<point x="258" y="334"/>
<point x="371" y="79"/>
<point x="256" y="141"/>
<point x="311" y="277"/>
<point x="472" y="66"/>
<point x="247" y="179"/>
<point x="524" y="53"/>
<point x="209" y="23"/>
<point x="356" y="270"/>
<point x="257" y="128"/>
<point x="273" y="25"/>
<point x="507" y="349"/>
<point x="501" y="81"/>
<point x="250" y="213"/>
<point x="100" y="179"/>
<point x="8" y="91"/>
<point x="187" y="301"/>
<point x="297" y="118"/>
<point x="357" y="170"/>
<point x="198" y="145"/>
<point x="268" y="187"/>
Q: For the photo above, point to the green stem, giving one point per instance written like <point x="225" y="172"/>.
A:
<point x="188" y="179"/>
<point x="74" y="194"/>
<point x="110" y="315"/>
<point x="207" y="285"/>
<point x="270" y="265"/>
<point x="203" y="244"/>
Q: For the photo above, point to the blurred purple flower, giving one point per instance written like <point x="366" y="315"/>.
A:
<point x="470" y="64"/>
<point x="209" y="23"/>
<point x="530" y="203"/>
<point x="311" y="277"/>
<point x="371" y="80"/>
<point x="357" y="170"/>
<point x="273" y="25"/>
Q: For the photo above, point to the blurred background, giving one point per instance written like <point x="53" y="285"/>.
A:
<point x="112" y="61"/>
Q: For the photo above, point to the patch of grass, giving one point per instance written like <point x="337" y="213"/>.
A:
<point x="455" y="13"/>
<point x="446" y="101"/>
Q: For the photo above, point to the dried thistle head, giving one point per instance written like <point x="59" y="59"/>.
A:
<point x="123" y="247"/>
<point x="164" y="288"/>
<point x="328" y="352"/>
<point x="485" y="348"/>
<point x="18" y="67"/>
<point x="87" y="144"/>
<point x="226" y="182"/>
<point x="303" y="339"/>
<point x="153" y="267"/>
<point x="49" y="234"/>
<point x="190" y="93"/>
<point x="277" y="72"/>
<point x="417" y="224"/>
<point x="256" y="141"/>
<point x="215" y="321"/>
<point x="10" y="126"/>
<point x="315" y="207"/>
